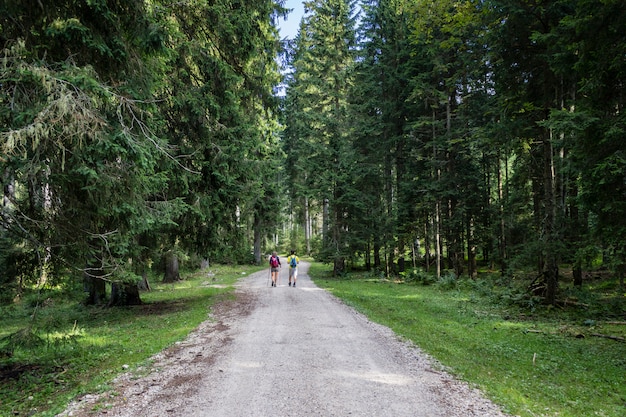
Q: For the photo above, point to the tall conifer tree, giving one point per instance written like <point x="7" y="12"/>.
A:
<point x="322" y="65"/>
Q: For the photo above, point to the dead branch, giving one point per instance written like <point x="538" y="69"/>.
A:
<point x="606" y="336"/>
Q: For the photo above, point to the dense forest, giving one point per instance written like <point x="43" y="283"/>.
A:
<point x="135" y="135"/>
<point x="412" y="135"/>
<point x="447" y="134"/>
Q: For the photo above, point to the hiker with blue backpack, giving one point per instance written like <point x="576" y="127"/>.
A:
<point x="274" y="268"/>
<point x="293" y="267"/>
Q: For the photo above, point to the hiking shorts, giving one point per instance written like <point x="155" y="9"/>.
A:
<point x="293" y="272"/>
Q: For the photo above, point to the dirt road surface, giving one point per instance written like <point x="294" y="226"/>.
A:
<point x="284" y="351"/>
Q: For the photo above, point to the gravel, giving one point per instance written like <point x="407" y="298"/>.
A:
<point x="284" y="351"/>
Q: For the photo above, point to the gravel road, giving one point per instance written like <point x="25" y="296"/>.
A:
<point x="284" y="351"/>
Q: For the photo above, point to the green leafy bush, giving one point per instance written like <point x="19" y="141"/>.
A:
<point x="447" y="281"/>
<point x="419" y="276"/>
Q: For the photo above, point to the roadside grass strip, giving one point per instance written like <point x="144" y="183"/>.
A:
<point x="540" y="363"/>
<point x="41" y="380"/>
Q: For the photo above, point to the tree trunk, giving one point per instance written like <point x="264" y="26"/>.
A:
<point x="325" y="223"/>
<point x="502" y="240"/>
<point x="427" y="231"/>
<point x="437" y="214"/>
<point x="551" y="270"/>
<point x="401" y="266"/>
<point x="339" y="266"/>
<point x="437" y="242"/>
<point x="471" y="249"/>
<point x="124" y="294"/>
<point x="390" y="222"/>
<point x="94" y="286"/>
<point x="172" y="273"/>
<point x="307" y="226"/>
<point x="377" y="261"/>
<point x="578" y="225"/>
<point x="257" y="240"/>
<point x="402" y="217"/>
<point x="577" y="272"/>
<point x="144" y="285"/>
<point x="621" y="270"/>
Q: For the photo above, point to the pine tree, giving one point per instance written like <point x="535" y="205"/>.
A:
<point x="322" y="67"/>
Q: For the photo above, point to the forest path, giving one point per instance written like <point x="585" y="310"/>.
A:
<point x="285" y="351"/>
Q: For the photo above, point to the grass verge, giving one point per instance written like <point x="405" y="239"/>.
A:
<point x="77" y="349"/>
<point x="533" y="362"/>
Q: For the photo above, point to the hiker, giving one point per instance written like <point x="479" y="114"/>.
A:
<point x="293" y="262"/>
<point x="275" y="267"/>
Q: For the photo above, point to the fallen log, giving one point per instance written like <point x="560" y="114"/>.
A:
<point x="568" y="302"/>
<point x="606" y="336"/>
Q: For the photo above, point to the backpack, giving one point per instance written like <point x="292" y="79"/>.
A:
<point x="274" y="262"/>
<point x="293" y="262"/>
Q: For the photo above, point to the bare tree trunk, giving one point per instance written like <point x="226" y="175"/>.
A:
<point x="401" y="220"/>
<point x="172" y="272"/>
<point x="502" y="248"/>
<point x="577" y="266"/>
<point x="437" y="214"/>
<point x="551" y="270"/>
<point x="144" y="284"/>
<point x="339" y="265"/>
<point x="577" y="273"/>
<point x="325" y="220"/>
<point x="124" y="294"/>
<point x="94" y="286"/>
<point x="390" y="226"/>
<point x="257" y="240"/>
<point x="307" y="226"/>
<point x="377" y="261"/>
<point x="427" y="231"/>
<point x="471" y="249"/>
<point x="437" y="242"/>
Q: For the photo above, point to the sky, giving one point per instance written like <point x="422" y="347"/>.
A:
<point x="289" y="27"/>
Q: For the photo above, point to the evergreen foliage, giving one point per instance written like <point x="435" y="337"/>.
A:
<point x="323" y="62"/>
<point x="478" y="133"/>
<point x="445" y="134"/>
<point x="131" y="132"/>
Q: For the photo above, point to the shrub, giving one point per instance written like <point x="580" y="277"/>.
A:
<point x="419" y="276"/>
<point x="447" y="281"/>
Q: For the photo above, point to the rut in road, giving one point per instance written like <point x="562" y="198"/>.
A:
<point x="285" y="351"/>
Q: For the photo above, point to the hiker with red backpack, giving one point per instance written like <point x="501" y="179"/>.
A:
<point x="274" y="268"/>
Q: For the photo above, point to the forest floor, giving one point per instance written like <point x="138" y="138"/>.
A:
<point x="285" y="351"/>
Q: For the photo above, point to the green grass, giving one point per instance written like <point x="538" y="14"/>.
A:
<point x="532" y="363"/>
<point x="84" y="348"/>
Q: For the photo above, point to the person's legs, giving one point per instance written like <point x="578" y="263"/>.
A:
<point x="294" y="272"/>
